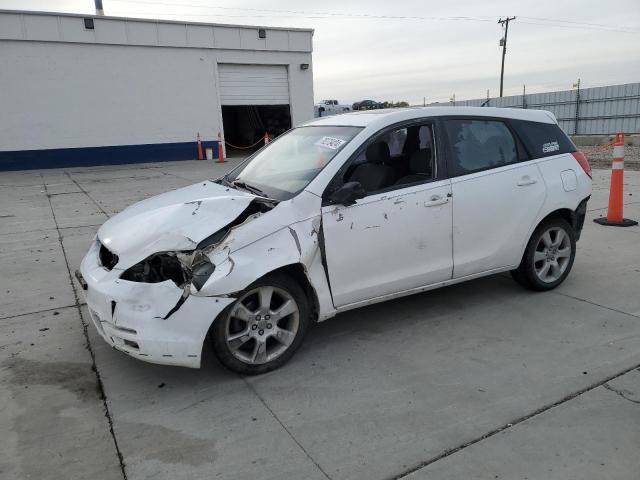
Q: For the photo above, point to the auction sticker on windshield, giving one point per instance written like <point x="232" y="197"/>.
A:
<point x="331" y="143"/>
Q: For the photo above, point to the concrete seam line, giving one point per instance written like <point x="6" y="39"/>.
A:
<point x="85" y="332"/>
<point x="38" y="311"/>
<point x="512" y="424"/>
<point x="83" y="191"/>
<point x="595" y="304"/>
<point x="255" y="392"/>
<point x="50" y="229"/>
<point x="177" y="176"/>
<point x="605" y="208"/>
<point x="554" y="292"/>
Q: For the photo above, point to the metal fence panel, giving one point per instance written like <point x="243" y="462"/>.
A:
<point x="588" y="111"/>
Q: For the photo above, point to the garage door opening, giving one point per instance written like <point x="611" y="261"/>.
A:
<point x="245" y="125"/>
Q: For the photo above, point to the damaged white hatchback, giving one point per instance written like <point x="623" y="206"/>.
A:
<point x="338" y="213"/>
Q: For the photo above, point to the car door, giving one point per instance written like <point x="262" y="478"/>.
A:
<point x="497" y="194"/>
<point x="390" y="241"/>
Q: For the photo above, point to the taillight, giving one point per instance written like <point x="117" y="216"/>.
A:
<point x="582" y="160"/>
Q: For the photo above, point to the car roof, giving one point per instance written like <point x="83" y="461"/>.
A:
<point x="389" y="116"/>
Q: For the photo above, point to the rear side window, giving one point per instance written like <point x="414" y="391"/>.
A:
<point x="480" y="145"/>
<point x="543" y="139"/>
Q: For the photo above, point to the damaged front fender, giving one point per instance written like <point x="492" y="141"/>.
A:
<point x="293" y="244"/>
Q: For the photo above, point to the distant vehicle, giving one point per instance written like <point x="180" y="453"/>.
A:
<point x="367" y="105"/>
<point x="335" y="214"/>
<point x="331" y="107"/>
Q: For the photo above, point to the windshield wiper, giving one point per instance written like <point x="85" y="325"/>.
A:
<point x="250" y="188"/>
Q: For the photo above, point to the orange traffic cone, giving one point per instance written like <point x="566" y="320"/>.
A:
<point x="614" y="216"/>
<point x="266" y="138"/>
<point x="220" y="148"/>
<point x="200" y="154"/>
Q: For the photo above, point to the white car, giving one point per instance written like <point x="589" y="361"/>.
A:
<point x="330" y="107"/>
<point x="338" y="213"/>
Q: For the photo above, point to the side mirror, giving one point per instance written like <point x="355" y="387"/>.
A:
<point x="347" y="194"/>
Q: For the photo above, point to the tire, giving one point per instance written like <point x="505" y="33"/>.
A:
<point x="549" y="256"/>
<point x="249" y="339"/>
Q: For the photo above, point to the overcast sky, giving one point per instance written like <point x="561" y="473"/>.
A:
<point x="357" y="54"/>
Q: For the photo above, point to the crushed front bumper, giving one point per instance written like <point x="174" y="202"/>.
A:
<point x="141" y="319"/>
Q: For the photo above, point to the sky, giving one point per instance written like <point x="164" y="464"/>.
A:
<point x="415" y="50"/>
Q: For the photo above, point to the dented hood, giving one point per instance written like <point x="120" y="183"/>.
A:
<point x="176" y="220"/>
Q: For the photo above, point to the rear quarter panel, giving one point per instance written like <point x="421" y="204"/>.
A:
<point x="566" y="182"/>
<point x="560" y="194"/>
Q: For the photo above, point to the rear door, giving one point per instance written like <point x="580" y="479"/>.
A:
<point x="497" y="194"/>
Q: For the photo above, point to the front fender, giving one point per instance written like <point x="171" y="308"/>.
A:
<point x="297" y="243"/>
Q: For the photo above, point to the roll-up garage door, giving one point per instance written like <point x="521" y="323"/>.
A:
<point x="253" y="84"/>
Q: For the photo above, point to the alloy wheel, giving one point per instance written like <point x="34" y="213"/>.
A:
<point x="552" y="255"/>
<point x="262" y="325"/>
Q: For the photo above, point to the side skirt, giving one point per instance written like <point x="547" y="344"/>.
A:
<point x="424" y="288"/>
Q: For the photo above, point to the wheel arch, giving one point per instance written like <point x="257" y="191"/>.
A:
<point x="563" y="213"/>
<point x="570" y="216"/>
<point x="298" y="272"/>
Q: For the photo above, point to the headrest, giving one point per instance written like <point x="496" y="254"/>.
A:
<point x="420" y="161"/>
<point x="378" y="152"/>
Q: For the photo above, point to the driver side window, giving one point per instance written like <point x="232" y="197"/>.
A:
<point x="402" y="156"/>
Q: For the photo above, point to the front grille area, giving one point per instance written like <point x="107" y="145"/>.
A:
<point x="108" y="259"/>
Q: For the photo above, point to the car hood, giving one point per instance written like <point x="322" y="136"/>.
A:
<point x="176" y="220"/>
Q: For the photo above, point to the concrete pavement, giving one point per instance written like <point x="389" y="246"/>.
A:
<point x="477" y="380"/>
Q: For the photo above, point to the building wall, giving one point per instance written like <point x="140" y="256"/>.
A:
<point x="131" y="102"/>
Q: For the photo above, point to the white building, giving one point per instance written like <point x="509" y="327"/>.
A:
<point x="86" y="90"/>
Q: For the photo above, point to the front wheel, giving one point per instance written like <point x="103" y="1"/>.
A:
<point x="263" y="328"/>
<point x="548" y="257"/>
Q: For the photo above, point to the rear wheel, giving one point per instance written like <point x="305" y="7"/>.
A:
<point x="548" y="257"/>
<point x="263" y="328"/>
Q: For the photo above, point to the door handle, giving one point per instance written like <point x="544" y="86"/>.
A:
<point x="526" y="180"/>
<point x="436" y="200"/>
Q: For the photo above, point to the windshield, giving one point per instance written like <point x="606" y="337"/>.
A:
<point x="287" y="165"/>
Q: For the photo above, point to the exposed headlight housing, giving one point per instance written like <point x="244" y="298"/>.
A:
<point x="157" y="268"/>
<point x="179" y="267"/>
<point x="201" y="272"/>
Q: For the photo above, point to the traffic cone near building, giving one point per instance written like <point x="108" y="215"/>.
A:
<point x="220" y="148"/>
<point x="200" y="153"/>
<point x="615" y="216"/>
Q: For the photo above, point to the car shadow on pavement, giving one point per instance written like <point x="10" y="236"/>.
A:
<point x="429" y="315"/>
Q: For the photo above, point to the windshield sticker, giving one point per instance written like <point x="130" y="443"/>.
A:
<point x="550" y="147"/>
<point x="331" y="142"/>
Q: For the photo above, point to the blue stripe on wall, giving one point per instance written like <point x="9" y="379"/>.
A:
<point x="113" y="155"/>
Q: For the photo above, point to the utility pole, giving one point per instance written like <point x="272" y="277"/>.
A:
<point x="577" y="117"/>
<point x="486" y="102"/>
<point x="503" y="44"/>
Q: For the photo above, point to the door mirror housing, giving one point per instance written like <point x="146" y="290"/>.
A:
<point x="348" y="193"/>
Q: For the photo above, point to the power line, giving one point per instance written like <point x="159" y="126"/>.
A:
<point x="302" y="14"/>
<point x="547" y="22"/>
<point x="582" y="27"/>
<point x="555" y="20"/>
